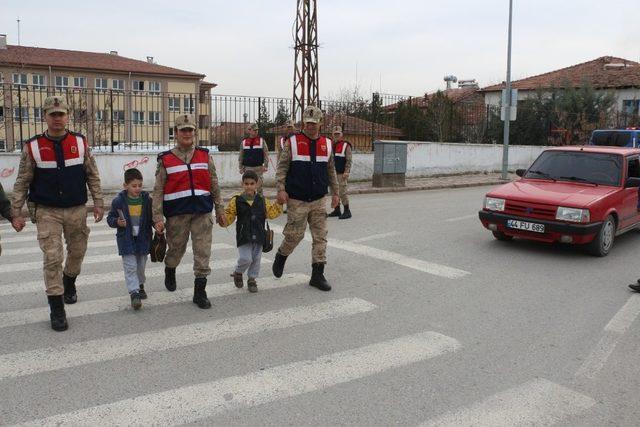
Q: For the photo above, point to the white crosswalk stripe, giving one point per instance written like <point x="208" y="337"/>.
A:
<point x="100" y="350"/>
<point x="36" y="250"/>
<point x="85" y="280"/>
<point x="32" y="237"/>
<point x="92" y="259"/>
<point x="108" y="305"/>
<point x="537" y="402"/>
<point x="192" y="403"/>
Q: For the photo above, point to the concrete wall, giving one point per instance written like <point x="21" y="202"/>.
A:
<point x="424" y="159"/>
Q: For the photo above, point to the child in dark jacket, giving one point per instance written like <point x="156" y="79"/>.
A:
<point x="131" y="214"/>
<point x="252" y="210"/>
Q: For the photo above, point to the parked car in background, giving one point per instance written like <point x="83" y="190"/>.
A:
<point x="616" y="137"/>
<point x="581" y="195"/>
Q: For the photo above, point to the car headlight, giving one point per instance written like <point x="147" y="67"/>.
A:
<point x="493" y="204"/>
<point x="573" y="214"/>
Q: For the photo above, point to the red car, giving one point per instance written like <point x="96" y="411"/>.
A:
<point x="582" y="195"/>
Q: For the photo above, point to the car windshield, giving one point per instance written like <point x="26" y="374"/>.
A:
<point x="612" y="138"/>
<point x="578" y="166"/>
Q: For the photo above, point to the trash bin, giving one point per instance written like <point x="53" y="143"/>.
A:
<point x="389" y="163"/>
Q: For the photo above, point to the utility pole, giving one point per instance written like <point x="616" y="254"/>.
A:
<point x="507" y="112"/>
<point x="18" y="20"/>
<point x="305" y="72"/>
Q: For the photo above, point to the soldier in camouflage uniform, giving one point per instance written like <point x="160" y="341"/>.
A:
<point x="291" y="129"/>
<point x="305" y="170"/>
<point x="185" y="192"/>
<point x="343" y="160"/>
<point x="5" y="208"/>
<point x="55" y="170"/>
<point x="254" y="154"/>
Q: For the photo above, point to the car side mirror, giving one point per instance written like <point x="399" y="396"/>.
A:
<point x="632" y="182"/>
<point x="520" y="172"/>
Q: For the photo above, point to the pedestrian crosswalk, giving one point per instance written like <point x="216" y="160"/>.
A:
<point x="244" y="321"/>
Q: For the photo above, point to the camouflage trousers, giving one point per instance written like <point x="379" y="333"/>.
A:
<point x="258" y="171"/>
<point x="52" y="224"/>
<point x="342" y="187"/>
<point x="298" y="214"/>
<point x="200" y="227"/>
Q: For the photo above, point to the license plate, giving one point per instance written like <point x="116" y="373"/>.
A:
<point x="526" y="226"/>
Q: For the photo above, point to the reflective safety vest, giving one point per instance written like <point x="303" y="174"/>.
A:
<point x="188" y="186"/>
<point x="340" y="156"/>
<point x="59" y="178"/>
<point x="308" y="176"/>
<point x="252" y="151"/>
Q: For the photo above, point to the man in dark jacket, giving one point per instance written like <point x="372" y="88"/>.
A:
<point x="5" y="207"/>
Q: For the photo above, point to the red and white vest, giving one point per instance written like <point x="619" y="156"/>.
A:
<point x="59" y="178"/>
<point x="188" y="186"/>
<point x="253" y="151"/>
<point x="308" y="176"/>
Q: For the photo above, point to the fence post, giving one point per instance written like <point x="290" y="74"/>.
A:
<point x="111" y="117"/>
<point x="20" y="114"/>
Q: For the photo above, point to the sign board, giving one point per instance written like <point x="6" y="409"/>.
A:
<point x="513" y="112"/>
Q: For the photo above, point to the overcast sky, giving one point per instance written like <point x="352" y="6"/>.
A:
<point x="401" y="47"/>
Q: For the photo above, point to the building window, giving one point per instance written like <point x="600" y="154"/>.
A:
<point x="100" y="116"/>
<point x="3" y="145"/>
<point x="38" y="80"/>
<point x="154" y="87"/>
<point x="138" y="117"/>
<point x="630" y="106"/>
<point x="79" y="82"/>
<point x="38" y="114"/>
<point x="62" y="82"/>
<point x="117" y="84"/>
<point x="154" y="117"/>
<point x="1" y="112"/>
<point x="174" y="104"/>
<point x="172" y="135"/>
<point x="138" y="85"/>
<point x="101" y="84"/>
<point x="118" y="116"/>
<point x="19" y="79"/>
<point x="189" y="105"/>
<point x="19" y="113"/>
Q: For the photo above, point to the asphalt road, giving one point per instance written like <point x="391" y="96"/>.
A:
<point x="430" y="321"/>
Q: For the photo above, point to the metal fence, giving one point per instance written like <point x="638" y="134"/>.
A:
<point x="113" y="120"/>
<point x="117" y="120"/>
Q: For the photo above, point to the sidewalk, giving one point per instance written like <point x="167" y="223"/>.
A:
<point x="365" y="187"/>
<point x="412" y="184"/>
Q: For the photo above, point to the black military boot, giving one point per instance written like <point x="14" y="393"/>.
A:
<point x="336" y="212"/>
<point x="635" y="286"/>
<point x="70" y="295"/>
<point x="278" y="264"/>
<point x="346" y="214"/>
<point x="317" y="277"/>
<point x="199" y="293"/>
<point x="58" y="315"/>
<point x="170" y="278"/>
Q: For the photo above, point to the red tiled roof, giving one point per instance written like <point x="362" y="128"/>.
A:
<point x="58" y="58"/>
<point x="456" y="95"/>
<point x="350" y="126"/>
<point x="594" y="72"/>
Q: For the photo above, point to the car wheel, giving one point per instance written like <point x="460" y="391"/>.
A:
<point x="499" y="235"/>
<point x="603" y="242"/>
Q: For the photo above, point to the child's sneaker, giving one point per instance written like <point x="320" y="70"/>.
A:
<point x="143" y="294"/>
<point x="136" y="302"/>
<point x="237" y="279"/>
<point x="252" y="285"/>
